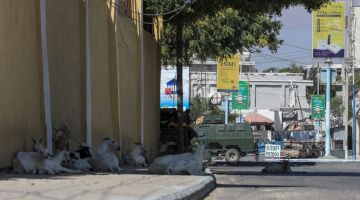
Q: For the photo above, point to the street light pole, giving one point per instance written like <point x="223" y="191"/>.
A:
<point x="327" y="117"/>
<point x="351" y="49"/>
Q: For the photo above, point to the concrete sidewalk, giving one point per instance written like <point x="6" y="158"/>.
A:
<point x="104" y="187"/>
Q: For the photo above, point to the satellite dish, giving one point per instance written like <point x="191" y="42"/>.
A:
<point x="216" y="98"/>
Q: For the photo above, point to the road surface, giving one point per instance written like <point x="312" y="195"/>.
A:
<point x="310" y="181"/>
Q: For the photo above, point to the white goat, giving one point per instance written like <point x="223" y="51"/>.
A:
<point x="80" y="163"/>
<point x="104" y="159"/>
<point x="186" y="163"/>
<point x="137" y="156"/>
<point x="28" y="162"/>
<point x="53" y="165"/>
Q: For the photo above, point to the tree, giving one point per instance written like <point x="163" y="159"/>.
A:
<point x="292" y="69"/>
<point x="270" y="70"/>
<point x="337" y="107"/>
<point x="211" y="29"/>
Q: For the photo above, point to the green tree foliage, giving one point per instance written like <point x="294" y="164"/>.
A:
<point x="270" y="70"/>
<point x="218" y="28"/>
<point x="209" y="29"/>
<point x="292" y="69"/>
<point x="198" y="107"/>
<point x="337" y="107"/>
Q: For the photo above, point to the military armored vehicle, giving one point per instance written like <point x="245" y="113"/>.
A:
<point x="230" y="140"/>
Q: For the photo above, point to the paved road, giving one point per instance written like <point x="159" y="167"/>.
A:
<point x="311" y="181"/>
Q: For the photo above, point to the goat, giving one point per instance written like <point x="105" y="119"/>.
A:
<point x="84" y="151"/>
<point x="186" y="163"/>
<point x="30" y="162"/>
<point x="137" y="156"/>
<point x="53" y="165"/>
<point x="282" y="167"/>
<point x="79" y="163"/>
<point x="37" y="145"/>
<point x="62" y="138"/>
<point x="104" y="159"/>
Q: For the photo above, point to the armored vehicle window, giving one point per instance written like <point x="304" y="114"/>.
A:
<point x="201" y="132"/>
<point x="218" y="120"/>
<point x="240" y="127"/>
<point x="221" y="128"/>
<point x="231" y="128"/>
<point x="207" y="120"/>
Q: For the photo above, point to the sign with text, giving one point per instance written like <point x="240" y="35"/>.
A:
<point x="328" y="29"/>
<point x="240" y="99"/>
<point x="272" y="151"/>
<point x="228" y="74"/>
<point x="318" y="106"/>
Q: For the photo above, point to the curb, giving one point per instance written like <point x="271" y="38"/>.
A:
<point x="192" y="192"/>
<point x="316" y="160"/>
<point x="204" y="191"/>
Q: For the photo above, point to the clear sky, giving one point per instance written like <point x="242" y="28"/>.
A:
<point x="297" y="35"/>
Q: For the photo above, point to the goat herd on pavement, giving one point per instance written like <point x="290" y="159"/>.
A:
<point x="104" y="159"/>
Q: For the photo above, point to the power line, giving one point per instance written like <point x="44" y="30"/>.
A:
<point x="296" y="46"/>
<point x="113" y="4"/>
<point x="284" y="59"/>
<point x="142" y="22"/>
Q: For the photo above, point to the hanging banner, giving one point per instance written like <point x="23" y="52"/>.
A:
<point x="228" y="74"/>
<point x="240" y="100"/>
<point x="318" y="106"/>
<point x="328" y="27"/>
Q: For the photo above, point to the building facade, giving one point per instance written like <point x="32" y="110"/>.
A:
<point x="275" y="95"/>
<point x="114" y="81"/>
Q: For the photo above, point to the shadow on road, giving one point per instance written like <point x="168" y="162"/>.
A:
<point x="256" y="186"/>
<point x="261" y="163"/>
<point x="247" y="173"/>
<point x="7" y="175"/>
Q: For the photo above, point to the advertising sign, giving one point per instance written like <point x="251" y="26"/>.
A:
<point x="168" y="97"/>
<point x="318" y="106"/>
<point x="228" y="74"/>
<point x="272" y="151"/>
<point x="328" y="29"/>
<point x="240" y="99"/>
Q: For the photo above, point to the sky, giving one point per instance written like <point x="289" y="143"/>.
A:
<point x="297" y="35"/>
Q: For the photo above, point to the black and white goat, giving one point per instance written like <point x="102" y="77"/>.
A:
<point x="54" y="165"/>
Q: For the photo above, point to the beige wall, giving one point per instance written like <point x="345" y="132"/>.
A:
<point x="152" y="94"/>
<point x="21" y="100"/>
<point x="100" y="29"/>
<point x="20" y="77"/>
<point x="66" y="51"/>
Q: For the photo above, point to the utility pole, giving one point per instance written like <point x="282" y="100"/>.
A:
<point x="346" y="110"/>
<point x="351" y="62"/>
<point x="327" y="117"/>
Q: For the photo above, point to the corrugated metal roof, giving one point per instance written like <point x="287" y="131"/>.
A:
<point x="257" y="119"/>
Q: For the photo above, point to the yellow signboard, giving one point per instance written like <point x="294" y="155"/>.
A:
<point x="329" y="31"/>
<point x="228" y="74"/>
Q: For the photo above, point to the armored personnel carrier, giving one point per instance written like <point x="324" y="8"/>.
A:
<point x="230" y="140"/>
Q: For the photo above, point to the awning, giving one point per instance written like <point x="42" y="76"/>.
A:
<point x="172" y="82"/>
<point x="257" y="119"/>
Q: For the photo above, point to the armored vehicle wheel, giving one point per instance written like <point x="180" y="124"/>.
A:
<point x="232" y="155"/>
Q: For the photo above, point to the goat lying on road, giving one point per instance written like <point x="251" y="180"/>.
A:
<point x="137" y="156"/>
<point x="186" y="163"/>
<point x="53" y="165"/>
<point x="104" y="159"/>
